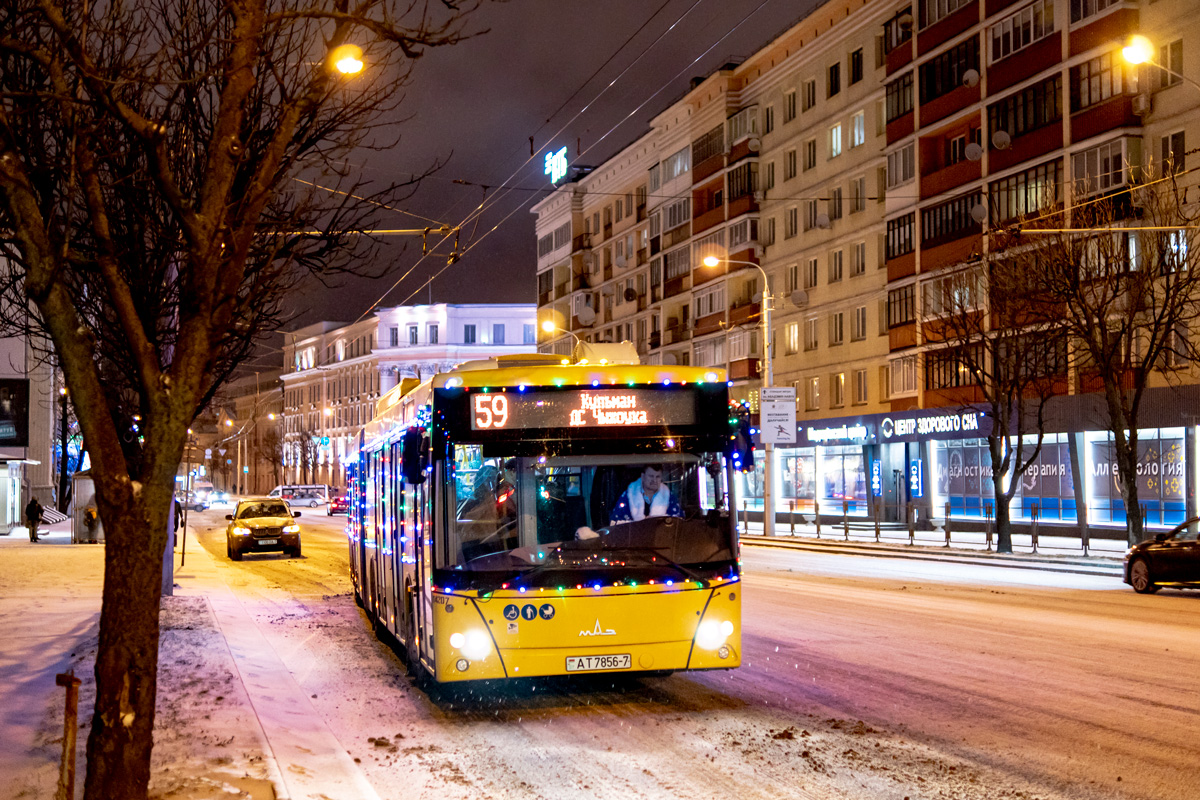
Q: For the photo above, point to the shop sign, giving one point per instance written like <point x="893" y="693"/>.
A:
<point x="934" y="425"/>
<point x="556" y="165"/>
<point x="916" y="486"/>
<point x="876" y="478"/>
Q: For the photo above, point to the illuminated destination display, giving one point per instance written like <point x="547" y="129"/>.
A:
<point x="591" y="408"/>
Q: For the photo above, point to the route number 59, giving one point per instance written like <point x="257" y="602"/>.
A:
<point x="491" y="410"/>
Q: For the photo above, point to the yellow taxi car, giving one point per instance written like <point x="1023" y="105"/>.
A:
<point x="262" y="524"/>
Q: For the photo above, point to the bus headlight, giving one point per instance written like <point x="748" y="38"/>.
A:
<point x="476" y="645"/>
<point x="712" y="633"/>
<point x="291" y="528"/>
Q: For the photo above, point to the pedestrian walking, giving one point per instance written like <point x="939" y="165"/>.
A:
<point x="33" y="517"/>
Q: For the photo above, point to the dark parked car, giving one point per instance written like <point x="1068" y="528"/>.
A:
<point x="1169" y="559"/>
<point x="338" y="504"/>
<point x="262" y="524"/>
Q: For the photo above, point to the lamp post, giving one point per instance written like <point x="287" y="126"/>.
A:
<point x="767" y="379"/>
<point x="549" y="327"/>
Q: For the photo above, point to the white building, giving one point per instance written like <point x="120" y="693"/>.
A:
<point x="28" y="408"/>
<point x="334" y="373"/>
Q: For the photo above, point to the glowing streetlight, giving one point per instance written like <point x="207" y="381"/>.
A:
<point x="767" y="379"/>
<point x="347" y="59"/>
<point x="1139" y="50"/>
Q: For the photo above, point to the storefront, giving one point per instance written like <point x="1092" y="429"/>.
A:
<point x="938" y="459"/>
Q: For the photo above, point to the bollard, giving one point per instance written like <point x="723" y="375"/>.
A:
<point x="66" y="775"/>
<point x="987" y="514"/>
<point x="910" y="518"/>
<point x="947" y="524"/>
<point x="792" y="515"/>
<point x="846" y="520"/>
<point x="817" y="516"/>
<point x="878" y="512"/>
<point x="1084" y="535"/>
<point x="1033" y="525"/>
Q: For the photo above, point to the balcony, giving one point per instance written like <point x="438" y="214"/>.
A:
<point x="745" y="369"/>
<point x="676" y="335"/>
<point x="709" y="323"/>
<point x="746" y="311"/>
<point x="562" y="290"/>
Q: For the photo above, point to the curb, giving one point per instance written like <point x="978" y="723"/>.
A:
<point x="1077" y="566"/>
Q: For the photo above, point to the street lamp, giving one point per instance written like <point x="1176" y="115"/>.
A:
<point x="1140" y="50"/>
<point x="347" y="59"/>
<point x="549" y="327"/>
<point x="767" y="379"/>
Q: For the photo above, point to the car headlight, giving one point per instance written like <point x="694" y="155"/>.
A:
<point x="474" y="644"/>
<point x="240" y="531"/>
<point x="291" y="528"/>
<point x="712" y="633"/>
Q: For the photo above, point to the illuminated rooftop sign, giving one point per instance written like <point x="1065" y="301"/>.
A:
<point x="556" y="165"/>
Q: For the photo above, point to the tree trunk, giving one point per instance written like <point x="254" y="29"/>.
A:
<point x="118" y="747"/>
<point x="1127" y="463"/>
<point x="1003" y="517"/>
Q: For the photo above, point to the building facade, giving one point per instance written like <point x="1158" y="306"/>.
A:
<point x="334" y="373"/>
<point x="866" y="159"/>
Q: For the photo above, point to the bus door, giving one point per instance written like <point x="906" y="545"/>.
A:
<point x="389" y="557"/>
<point x="406" y="548"/>
<point x="430" y="496"/>
<point x="371" y="536"/>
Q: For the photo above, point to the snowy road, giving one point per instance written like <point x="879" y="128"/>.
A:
<point x="864" y="678"/>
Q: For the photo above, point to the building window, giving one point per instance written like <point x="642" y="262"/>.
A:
<point x="498" y="333"/>
<point x="858" y="324"/>
<point x="789" y="106"/>
<point x="955" y="293"/>
<point x="395" y="339"/>
<point x="791" y="338"/>
<point x="899" y="97"/>
<point x="950" y="368"/>
<point x="934" y="10"/>
<point x="743" y="180"/>
<point x="789" y="164"/>
<point x="900" y="235"/>
<point x="1173" y="153"/>
<point x="835" y="204"/>
<point x="944" y="73"/>
<point x="1026" y="192"/>
<point x="858" y="194"/>
<point x="810" y="214"/>
<point x="545" y="245"/>
<point x="811" y="327"/>
<point x="711" y="301"/>
<point x="677" y="214"/>
<point x="768" y="123"/>
<point x="834" y="84"/>
<point x="902" y="307"/>
<point x="1082" y="9"/>
<point x="858" y="259"/>
<point x="837" y="328"/>
<point x="856" y="66"/>
<point x="903" y="376"/>
<point x="835" y="266"/>
<point x="677" y="263"/>
<point x="835" y="141"/>
<point x="897" y="30"/>
<point x="951" y="219"/>
<point x="1017" y="31"/>
<point x="810" y="154"/>
<point x="812" y="394"/>
<point x="791" y="222"/>
<point x="468" y="334"/>
<point x="433" y="334"/>
<point x="676" y="164"/>
<point x="858" y="129"/>
<point x="1101" y="168"/>
<point x="809" y="98"/>
<point x="1099" y="79"/>
<point x="708" y="145"/>
<point x="767" y="234"/>
<point x="1170" y="56"/>
<point x="1029" y="109"/>
<point x="412" y="334"/>
<point x="860" y="387"/>
<point x="743" y="232"/>
<point x="743" y="124"/>
<point x="901" y="165"/>
<point x="810" y="274"/>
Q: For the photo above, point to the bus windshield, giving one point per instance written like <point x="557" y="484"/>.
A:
<point x="664" y="513"/>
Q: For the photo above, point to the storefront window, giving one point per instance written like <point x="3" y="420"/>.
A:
<point x="1160" y="477"/>
<point x="963" y="477"/>
<point x="799" y="478"/>
<point x="1048" y="483"/>
<point x="843" y="477"/>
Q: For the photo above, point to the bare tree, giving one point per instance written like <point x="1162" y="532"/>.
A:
<point x="154" y="222"/>
<point x="308" y="451"/>
<point x="998" y="347"/>
<point x="269" y="447"/>
<point x="1122" y="269"/>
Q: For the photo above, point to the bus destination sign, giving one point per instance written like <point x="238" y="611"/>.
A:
<point x="586" y="408"/>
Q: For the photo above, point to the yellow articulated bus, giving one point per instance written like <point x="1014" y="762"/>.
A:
<point x="522" y="517"/>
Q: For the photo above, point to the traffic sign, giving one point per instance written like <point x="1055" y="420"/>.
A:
<point x="777" y="417"/>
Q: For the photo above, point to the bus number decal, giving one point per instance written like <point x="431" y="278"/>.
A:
<point x="491" y="410"/>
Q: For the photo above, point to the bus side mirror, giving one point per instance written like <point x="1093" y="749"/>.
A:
<point x="414" y="455"/>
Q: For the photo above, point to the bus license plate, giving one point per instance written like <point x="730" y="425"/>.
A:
<point x="592" y="663"/>
<point x="268" y="541"/>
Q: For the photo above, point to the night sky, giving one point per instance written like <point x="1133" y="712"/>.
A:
<point x="476" y="104"/>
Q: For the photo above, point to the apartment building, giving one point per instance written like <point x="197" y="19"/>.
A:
<point x="864" y="159"/>
<point x="334" y="373"/>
